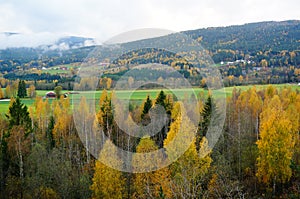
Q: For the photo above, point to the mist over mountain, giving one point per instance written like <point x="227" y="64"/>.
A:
<point x="45" y="41"/>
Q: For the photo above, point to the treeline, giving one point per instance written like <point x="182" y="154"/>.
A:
<point x="12" y="88"/>
<point x="18" y="88"/>
<point x="257" y="155"/>
<point x="32" y="77"/>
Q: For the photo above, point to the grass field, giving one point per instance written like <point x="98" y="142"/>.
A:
<point x="140" y="95"/>
<point x="58" y="70"/>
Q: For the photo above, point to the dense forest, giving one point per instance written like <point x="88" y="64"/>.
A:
<point x="256" y="156"/>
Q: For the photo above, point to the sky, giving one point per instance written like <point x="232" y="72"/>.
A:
<point x="46" y="20"/>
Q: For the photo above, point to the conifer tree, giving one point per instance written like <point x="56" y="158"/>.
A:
<point x="22" y="89"/>
<point x="146" y="107"/>
<point x="19" y="115"/>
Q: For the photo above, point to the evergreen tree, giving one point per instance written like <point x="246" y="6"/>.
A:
<point x="206" y="117"/>
<point x="22" y="89"/>
<point x="145" y="117"/>
<point x="161" y="136"/>
<point x="49" y="134"/>
<point x="161" y="99"/>
<point x="147" y="106"/>
<point x="19" y="115"/>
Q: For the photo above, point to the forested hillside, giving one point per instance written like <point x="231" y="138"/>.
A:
<point x="265" y="52"/>
<point x="252" y="37"/>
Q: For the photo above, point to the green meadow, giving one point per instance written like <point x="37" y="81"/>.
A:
<point x="139" y="95"/>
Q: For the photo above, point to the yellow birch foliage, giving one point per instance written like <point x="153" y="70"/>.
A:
<point x="276" y="144"/>
<point x="41" y="112"/>
<point x="61" y="112"/>
<point x="150" y="184"/>
<point x="108" y="182"/>
<point x="192" y="165"/>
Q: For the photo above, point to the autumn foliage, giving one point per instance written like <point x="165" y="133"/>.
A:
<point x="256" y="156"/>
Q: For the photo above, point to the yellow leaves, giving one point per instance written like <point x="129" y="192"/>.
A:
<point x="203" y="82"/>
<point x="105" y="83"/>
<point x="181" y="134"/>
<point x="230" y="77"/>
<point x="105" y="112"/>
<point x="62" y="115"/>
<point x="1" y="93"/>
<point x="108" y="83"/>
<point x="40" y="112"/>
<point x="264" y="63"/>
<point x="297" y="71"/>
<point x="48" y="193"/>
<point x="190" y="166"/>
<point x="199" y="39"/>
<point x="270" y="92"/>
<point x="241" y="78"/>
<point x="108" y="182"/>
<point x="276" y="144"/>
<point x="213" y="184"/>
<point x="148" y="184"/>
<point x="160" y="80"/>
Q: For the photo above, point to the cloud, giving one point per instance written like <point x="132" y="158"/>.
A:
<point x="103" y="19"/>
<point x="27" y="40"/>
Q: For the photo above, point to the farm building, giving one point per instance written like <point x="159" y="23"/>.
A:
<point x="50" y="94"/>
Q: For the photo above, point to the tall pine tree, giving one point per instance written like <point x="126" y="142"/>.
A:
<point x="19" y="115"/>
<point x="22" y="89"/>
<point x="206" y="118"/>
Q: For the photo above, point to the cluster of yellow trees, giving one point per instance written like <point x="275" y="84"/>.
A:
<point x="257" y="155"/>
<point x="259" y="150"/>
<point x="181" y="179"/>
<point x="264" y="128"/>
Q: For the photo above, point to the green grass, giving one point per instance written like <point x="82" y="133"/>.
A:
<point x="55" y="70"/>
<point x="140" y="95"/>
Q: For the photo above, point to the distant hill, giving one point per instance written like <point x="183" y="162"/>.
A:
<point x="262" y="36"/>
<point x="263" y="52"/>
